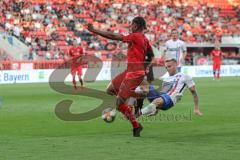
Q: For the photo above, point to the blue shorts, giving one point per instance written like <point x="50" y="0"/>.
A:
<point x="179" y="69"/>
<point x="153" y="94"/>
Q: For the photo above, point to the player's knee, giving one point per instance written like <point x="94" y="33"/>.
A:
<point x="120" y="101"/>
<point x="110" y="90"/>
<point x="158" y="102"/>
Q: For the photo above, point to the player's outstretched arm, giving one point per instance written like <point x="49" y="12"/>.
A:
<point x="105" y="34"/>
<point x="196" y="100"/>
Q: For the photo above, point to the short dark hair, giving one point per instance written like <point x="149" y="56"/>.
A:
<point x="140" y="21"/>
<point x="174" y="30"/>
<point x="170" y="60"/>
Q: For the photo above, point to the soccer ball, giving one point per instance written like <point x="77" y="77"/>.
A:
<point x="109" y="115"/>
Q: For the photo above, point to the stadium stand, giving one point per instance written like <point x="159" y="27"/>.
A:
<point x="49" y="27"/>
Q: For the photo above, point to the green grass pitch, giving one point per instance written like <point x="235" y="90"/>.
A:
<point x="30" y="130"/>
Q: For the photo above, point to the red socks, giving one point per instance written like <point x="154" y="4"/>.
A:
<point x="74" y="83"/>
<point x="218" y="75"/>
<point x="81" y="82"/>
<point x="127" y="111"/>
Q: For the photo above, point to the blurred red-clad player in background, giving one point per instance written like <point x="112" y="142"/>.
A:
<point x="76" y="53"/>
<point x="216" y="55"/>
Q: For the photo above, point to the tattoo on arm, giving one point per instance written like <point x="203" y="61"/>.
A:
<point x="195" y="95"/>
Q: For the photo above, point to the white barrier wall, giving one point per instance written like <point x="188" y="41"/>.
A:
<point x="27" y="76"/>
<point x="206" y="71"/>
<point x="38" y="76"/>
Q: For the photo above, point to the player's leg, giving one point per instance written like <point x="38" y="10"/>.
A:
<point x="218" y="71"/>
<point x="79" y="72"/>
<point x="126" y="110"/>
<point x="74" y="82"/>
<point x="163" y="102"/>
<point x="114" y="85"/>
<point x="131" y="101"/>
<point x="110" y="89"/>
<point x="73" y="73"/>
<point x="153" y="107"/>
<point x="214" y="71"/>
<point x="143" y="89"/>
<point x="138" y="106"/>
<point x="80" y="80"/>
<point x="126" y="90"/>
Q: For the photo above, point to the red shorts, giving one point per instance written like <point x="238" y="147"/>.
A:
<point x="76" y="70"/>
<point x="216" y="66"/>
<point x="125" y="86"/>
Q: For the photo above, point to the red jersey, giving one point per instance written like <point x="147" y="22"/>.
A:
<point x="75" y="53"/>
<point x="216" y="55"/>
<point x="137" y="48"/>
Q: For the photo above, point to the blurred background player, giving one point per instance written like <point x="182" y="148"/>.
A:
<point x="175" y="48"/>
<point x="172" y="91"/>
<point x="124" y="84"/>
<point x="76" y="53"/>
<point x="216" y="55"/>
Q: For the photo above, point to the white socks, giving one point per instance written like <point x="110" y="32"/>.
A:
<point x="150" y="109"/>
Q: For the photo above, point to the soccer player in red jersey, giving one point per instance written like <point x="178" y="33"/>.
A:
<point x="216" y="55"/>
<point x="76" y="53"/>
<point x="124" y="84"/>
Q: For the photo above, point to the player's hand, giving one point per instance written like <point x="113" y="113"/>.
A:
<point x="197" y="112"/>
<point x="147" y="69"/>
<point x="79" y="60"/>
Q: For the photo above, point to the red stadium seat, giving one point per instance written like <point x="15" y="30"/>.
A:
<point x="89" y="12"/>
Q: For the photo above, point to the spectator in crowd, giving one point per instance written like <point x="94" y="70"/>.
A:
<point x="199" y="23"/>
